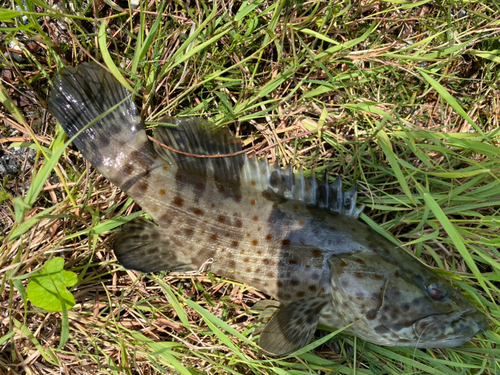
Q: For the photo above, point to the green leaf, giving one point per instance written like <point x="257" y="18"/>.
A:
<point x="47" y="287"/>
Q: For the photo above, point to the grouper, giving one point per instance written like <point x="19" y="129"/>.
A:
<point x="297" y="239"/>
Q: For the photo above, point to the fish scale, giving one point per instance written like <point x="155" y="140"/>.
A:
<point x="295" y="238"/>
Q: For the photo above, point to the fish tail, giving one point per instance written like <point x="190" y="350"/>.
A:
<point x="79" y="96"/>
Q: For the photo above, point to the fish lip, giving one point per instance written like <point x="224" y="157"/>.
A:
<point x="478" y="324"/>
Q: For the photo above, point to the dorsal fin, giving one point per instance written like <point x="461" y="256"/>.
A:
<point x="199" y="137"/>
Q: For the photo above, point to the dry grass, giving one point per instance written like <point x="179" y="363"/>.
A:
<point x="402" y="98"/>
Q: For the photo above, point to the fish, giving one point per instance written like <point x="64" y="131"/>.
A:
<point x="298" y="239"/>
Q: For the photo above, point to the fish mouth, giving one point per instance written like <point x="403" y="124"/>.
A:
<point x="455" y="328"/>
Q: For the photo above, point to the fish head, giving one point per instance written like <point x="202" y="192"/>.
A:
<point x="395" y="304"/>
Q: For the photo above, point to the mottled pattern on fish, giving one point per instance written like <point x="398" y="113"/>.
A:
<point x="294" y="238"/>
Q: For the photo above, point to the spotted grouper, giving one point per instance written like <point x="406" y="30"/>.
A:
<point x="294" y="238"/>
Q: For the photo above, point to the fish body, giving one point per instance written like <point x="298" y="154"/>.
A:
<point x="296" y="239"/>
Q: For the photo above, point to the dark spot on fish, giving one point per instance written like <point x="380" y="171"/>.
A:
<point x="255" y="242"/>
<point x="332" y="228"/>
<point x="295" y="282"/>
<point x="222" y="219"/>
<point x="266" y="195"/>
<point x="212" y="205"/>
<point x="234" y="244"/>
<point x="315" y="276"/>
<point x="301" y="294"/>
<point x="317" y="253"/>
<point x="280" y="284"/>
<point x="231" y="264"/>
<point x="178" y="201"/>
<point x="259" y="252"/>
<point x="237" y="197"/>
<point x="270" y="275"/>
<point x="405" y="307"/>
<point x="222" y="190"/>
<point x="344" y="283"/>
<point x="372" y="314"/>
<point x="142" y="186"/>
<point x="252" y="202"/>
<point x="301" y="222"/>
<point x="381" y="329"/>
<point x="368" y="239"/>
<point x="162" y="192"/>
<point x="343" y="264"/>
<point x="295" y="207"/>
<point x="287" y="296"/>
<point x="198" y="212"/>
<point x="242" y="252"/>
<point x="416" y="301"/>
<point x="269" y="237"/>
<point x="353" y="229"/>
<point x="248" y="234"/>
<point x="239" y="223"/>
<point x="213" y="237"/>
<point x="151" y="251"/>
<point x="378" y="276"/>
<point x="293" y="261"/>
<point x="166" y="218"/>
<point x="248" y="270"/>
<point x="178" y="177"/>
<point x="312" y="288"/>
<point x="360" y="261"/>
<point x="188" y="232"/>
<point x="265" y="261"/>
<point x="246" y="260"/>
<point x="286" y="242"/>
<point x="128" y="168"/>
<point x="397" y="274"/>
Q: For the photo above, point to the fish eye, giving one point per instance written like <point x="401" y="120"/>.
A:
<point x="435" y="293"/>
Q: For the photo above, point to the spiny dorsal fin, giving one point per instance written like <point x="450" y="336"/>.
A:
<point x="200" y="137"/>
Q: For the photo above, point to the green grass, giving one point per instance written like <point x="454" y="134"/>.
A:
<point x="400" y="97"/>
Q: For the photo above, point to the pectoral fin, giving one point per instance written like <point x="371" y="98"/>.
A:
<point x="292" y="326"/>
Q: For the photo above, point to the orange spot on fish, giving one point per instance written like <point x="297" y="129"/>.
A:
<point x="165" y="168"/>
<point x="162" y="192"/>
<point x="255" y="242"/>
<point x="295" y="207"/>
<point x="255" y="218"/>
<point x="301" y="222"/>
<point x="269" y="237"/>
<point x="239" y="223"/>
<point x="198" y="212"/>
<point x="222" y="219"/>
<point x="253" y="183"/>
<point x="252" y="202"/>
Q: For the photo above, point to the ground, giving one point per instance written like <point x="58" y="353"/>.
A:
<point x="400" y="97"/>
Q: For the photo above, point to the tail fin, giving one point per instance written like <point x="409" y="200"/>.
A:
<point x="82" y="94"/>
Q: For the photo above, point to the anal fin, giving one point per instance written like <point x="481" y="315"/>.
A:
<point x="141" y="246"/>
<point x="292" y="326"/>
